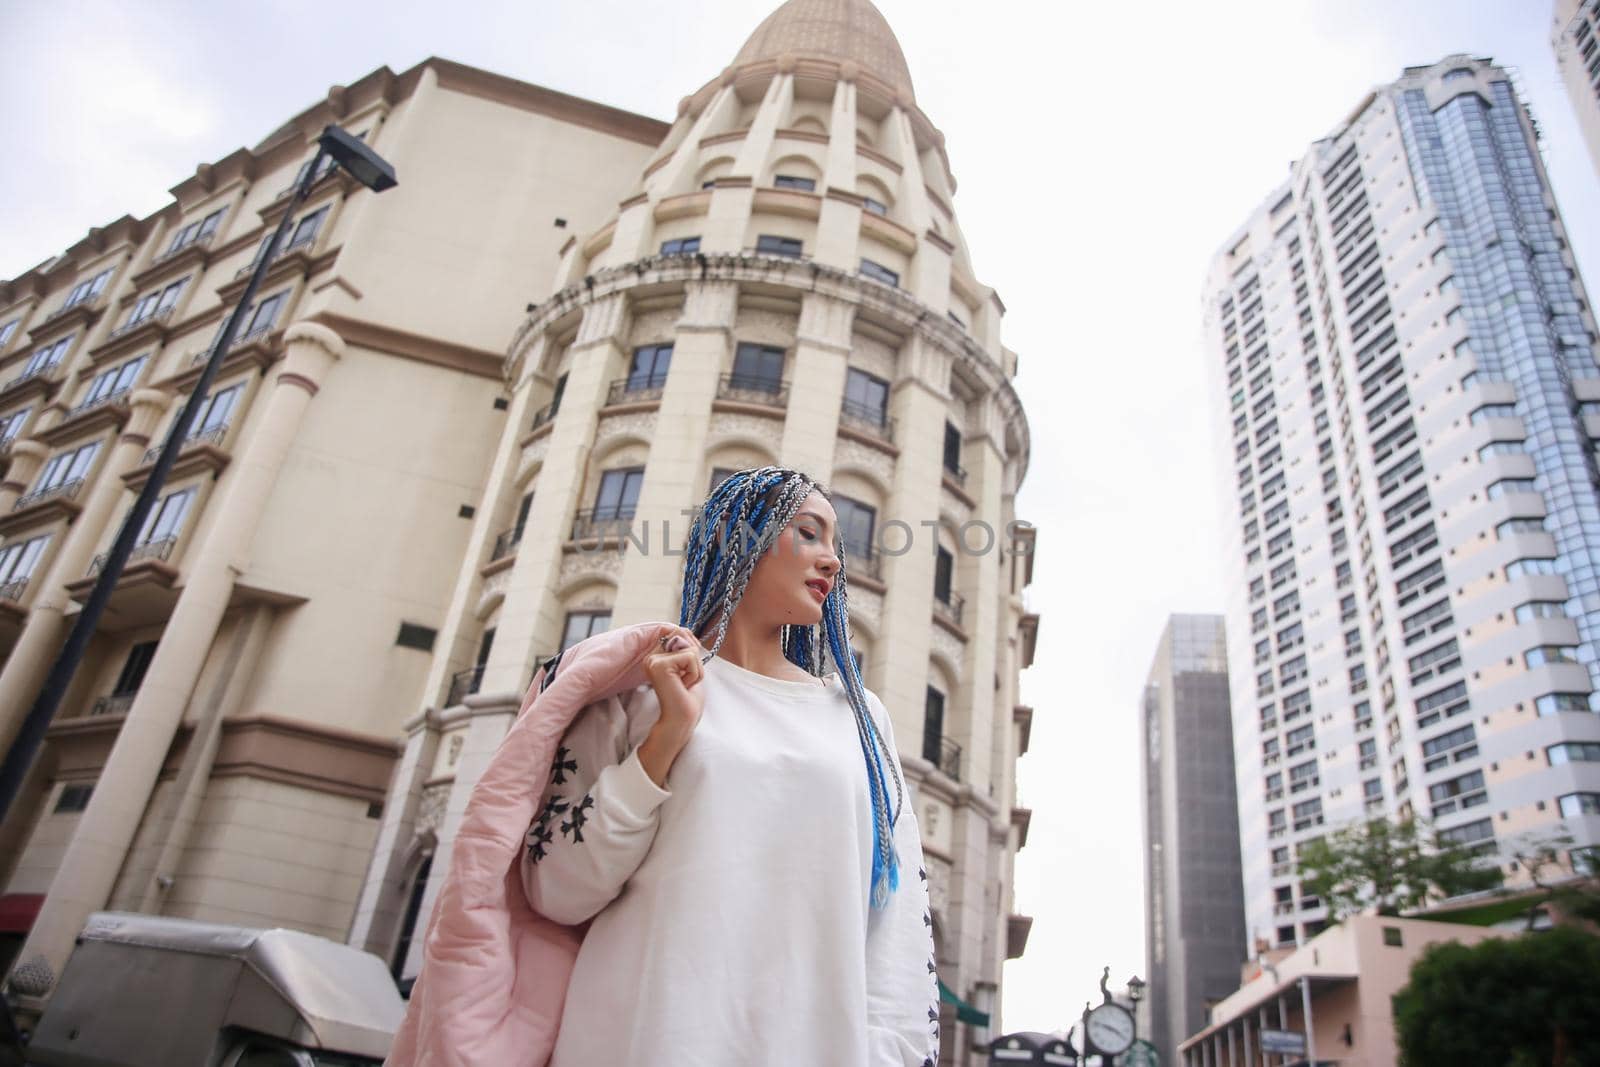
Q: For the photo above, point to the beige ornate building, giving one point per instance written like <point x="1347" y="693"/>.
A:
<point x="566" y="320"/>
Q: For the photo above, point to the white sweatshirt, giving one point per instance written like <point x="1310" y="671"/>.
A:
<point x="731" y="924"/>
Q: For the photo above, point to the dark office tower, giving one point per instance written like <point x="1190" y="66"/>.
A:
<point x="1194" y="908"/>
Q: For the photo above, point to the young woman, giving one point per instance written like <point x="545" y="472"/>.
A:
<point x="736" y="832"/>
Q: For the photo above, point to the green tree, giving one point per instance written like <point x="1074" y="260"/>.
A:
<point x="1389" y="866"/>
<point x="1519" y="1001"/>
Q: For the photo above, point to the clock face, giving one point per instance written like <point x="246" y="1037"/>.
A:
<point x="1110" y="1029"/>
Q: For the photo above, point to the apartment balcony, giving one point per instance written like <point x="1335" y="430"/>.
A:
<point x="102" y="412"/>
<point x="949" y="608"/>
<point x="333" y="176"/>
<point x="636" y="389"/>
<point x="154" y="329"/>
<point x="545" y="416"/>
<point x="145" y="590"/>
<point x="200" y="452"/>
<point x="871" y="424"/>
<point x="114" y="704"/>
<point x="463" y="684"/>
<point x="949" y="759"/>
<point x="194" y="256"/>
<point x="257" y="348"/>
<point x="1028" y="630"/>
<point x="1017" y="930"/>
<point x="865" y="566"/>
<point x="505" y="545"/>
<point x="43" y="505"/>
<point x="41" y="382"/>
<point x="13" y="612"/>
<point x="737" y="390"/>
<point x="78" y="315"/>
<point x="295" y="252"/>
<point x="601" y="524"/>
<point x="1021" y="819"/>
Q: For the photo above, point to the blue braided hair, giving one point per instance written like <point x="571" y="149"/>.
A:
<point x="738" y="523"/>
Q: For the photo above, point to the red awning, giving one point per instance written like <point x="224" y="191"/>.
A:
<point x="18" y="910"/>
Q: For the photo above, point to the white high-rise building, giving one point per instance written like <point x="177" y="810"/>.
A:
<point x="1405" y="359"/>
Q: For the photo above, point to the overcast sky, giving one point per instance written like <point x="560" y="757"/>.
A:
<point x="1102" y="152"/>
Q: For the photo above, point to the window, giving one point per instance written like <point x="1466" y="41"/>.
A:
<point x="11" y="425"/>
<point x="166" y="520"/>
<point x="1493" y="411"/>
<point x="722" y="474"/>
<point x="1393" y="937"/>
<point x="1540" y="609"/>
<point x="1529" y="565"/>
<point x="876" y="207"/>
<point x="201" y="230"/>
<point x="1510" y="485"/>
<point x="45" y="357"/>
<point x="932" y="725"/>
<point x="866" y="397"/>
<point x="1451" y="747"/>
<point x="583" y="624"/>
<point x="680" y="246"/>
<point x="525" y="506"/>
<point x="1269" y="751"/>
<point x="1574" y="804"/>
<point x="1300" y="739"/>
<point x="17" y="561"/>
<point x="305" y="231"/>
<point x="1435" y="661"/>
<point x="619" y="493"/>
<point x="215" y="409"/>
<point x="111" y="382"/>
<point x="794" y="181"/>
<point x="757" y="367"/>
<point x="1555" y="703"/>
<point x="1303" y="776"/>
<point x="649" y="367"/>
<point x="1573" y="752"/>
<point x="86" y="291"/>
<point x="1369" y="754"/>
<point x="157" y="302"/>
<point x="8" y="329"/>
<point x="1501" y="448"/>
<point x="1273" y="786"/>
<point x="1468" y="833"/>
<point x="1372" y="789"/>
<point x="1442" y="703"/>
<point x="555" y="394"/>
<point x="1308" y="813"/>
<point x="1456" y="794"/>
<point x="1543" y="654"/>
<point x="1291" y="636"/>
<point x="266" y="313"/>
<point x="879" y="273"/>
<point x="943" y="572"/>
<point x="773" y="245"/>
<point x="856" y="526"/>
<point x="134" y="668"/>
<point x="65" y="468"/>
<point x="952" y="447"/>
<point x="73" y="799"/>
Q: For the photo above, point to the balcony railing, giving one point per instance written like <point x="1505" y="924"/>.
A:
<point x="949" y="760"/>
<point x="28" y="376"/>
<point x="867" y="417"/>
<point x="159" y="550"/>
<point x="100" y="401"/>
<point x="957" y="474"/>
<point x="506" y="544"/>
<point x="860" y="559"/>
<point x="463" y="684"/>
<point x="62" y="490"/>
<point x="753" y="388"/>
<point x="14" y="589"/>
<point x="255" y="333"/>
<point x="158" y="315"/>
<point x="949" y="610"/>
<point x="211" y="435"/>
<point x="636" y="387"/>
<point x="297" y="243"/>
<point x="90" y="304"/>
<point x="115" y="704"/>
<point x="597" y="522"/>
<point x="201" y="241"/>
<point x="544" y="415"/>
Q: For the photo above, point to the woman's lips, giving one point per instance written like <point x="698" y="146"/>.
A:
<point x="818" y="593"/>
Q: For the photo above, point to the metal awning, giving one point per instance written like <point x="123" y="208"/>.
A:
<point x="964" y="1012"/>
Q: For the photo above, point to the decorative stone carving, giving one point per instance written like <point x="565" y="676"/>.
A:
<point x="852" y="453"/>
<point x="873" y="356"/>
<point x="533" y="456"/>
<point x="950" y="647"/>
<point x="938" y="883"/>
<point x="430" y="812"/>
<point x="727" y="425"/>
<point x="631" y="424"/>
<point x="654" y="327"/>
<point x="580" y="567"/>
<point x="493" y="592"/>
<point x="868" y="607"/>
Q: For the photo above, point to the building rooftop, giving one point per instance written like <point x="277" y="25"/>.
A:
<point x="845" y="31"/>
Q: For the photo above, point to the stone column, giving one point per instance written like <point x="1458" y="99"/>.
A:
<point x="816" y="384"/>
<point x="106" y="829"/>
<point x="839" y="228"/>
<point x="41" y="637"/>
<point x="27" y="456"/>
<point x="382" y="902"/>
<point x="674" y="480"/>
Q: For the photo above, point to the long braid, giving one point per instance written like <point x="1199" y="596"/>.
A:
<point x="738" y="523"/>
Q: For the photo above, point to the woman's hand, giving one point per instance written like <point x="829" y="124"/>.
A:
<point x="675" y="673"/>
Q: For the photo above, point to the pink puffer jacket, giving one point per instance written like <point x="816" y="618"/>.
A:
<point x="494" y="973"/>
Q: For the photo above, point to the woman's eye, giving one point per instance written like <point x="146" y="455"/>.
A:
<point x="809" y="535"/>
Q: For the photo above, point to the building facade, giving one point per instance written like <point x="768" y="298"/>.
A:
<point x="1404" y="360"/>
<point x="1194" y="911"/>
<point x="566" y="320"/>
<point x="1575" y="36"/>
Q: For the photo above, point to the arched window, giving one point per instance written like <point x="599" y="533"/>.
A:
<point x="408" y="927"/>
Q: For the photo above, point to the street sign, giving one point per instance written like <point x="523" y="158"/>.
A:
<point x="1142" y="1054"/>
<point x="1290" y="1041"/>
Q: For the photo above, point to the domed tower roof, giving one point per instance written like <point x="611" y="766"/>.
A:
<point x="840" y="30"/>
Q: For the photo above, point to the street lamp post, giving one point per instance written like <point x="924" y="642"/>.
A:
<point x="1135" y="994"/>
<point x="372" y="171"/>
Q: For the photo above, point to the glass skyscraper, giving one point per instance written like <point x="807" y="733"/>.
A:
<point x="1404" y="358"/>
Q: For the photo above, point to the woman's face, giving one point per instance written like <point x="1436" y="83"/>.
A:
<point x="789" y="583"/>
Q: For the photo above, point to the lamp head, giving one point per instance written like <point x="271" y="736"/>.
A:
<point x="362" y="163"/>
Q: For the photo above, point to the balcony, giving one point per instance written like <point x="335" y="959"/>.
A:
<point x="299" y="248"/>
<point x="200" y="452"/>
<point x="949" y="608"/>
<point x="115" y="704"/>
<point x="153" y="327"/>
<point x="463" y="684"/>
<point x="194" y="255"/>
<point x="258" y="346"/>
<point x="39" y="380"/>
<point x="13" y="590"/>
<point x="949" y="759"/>
<point x="600" y="523"/>
<point x="144" y="592"/>
<point x="863" y="562"/>
<point x="59" y="499"/>
<point x="753" y="389"/>
<point x="111" y="410"/>
<point x="506" y="544"/>
<point x="636" y="389"/>
<point x="956" y="475"/>
<point x="212" y="435"/>
<point x="870" y="420"/>
<point x="79" y="314"/>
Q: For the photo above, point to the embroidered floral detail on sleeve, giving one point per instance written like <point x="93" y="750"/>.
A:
<point x="540" y="837"/>
<point x="576" y="819"/>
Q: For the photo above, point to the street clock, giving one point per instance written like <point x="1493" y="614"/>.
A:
<point x="1110" y="1029"/>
